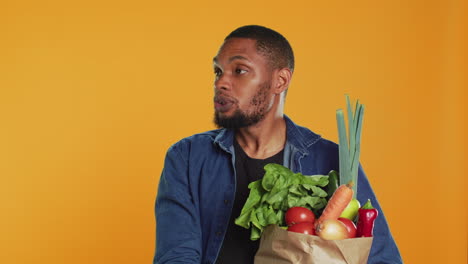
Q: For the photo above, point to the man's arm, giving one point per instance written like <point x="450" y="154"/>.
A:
<point x="178" y="235"/>
<point x="384" y="248"/>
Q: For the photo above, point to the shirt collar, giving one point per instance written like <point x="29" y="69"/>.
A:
<point x="299" y="137"/>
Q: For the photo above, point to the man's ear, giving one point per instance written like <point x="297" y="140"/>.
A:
<point x="283" y="78"/>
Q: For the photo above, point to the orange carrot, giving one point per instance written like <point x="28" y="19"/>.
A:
<point x="338" y="202"/>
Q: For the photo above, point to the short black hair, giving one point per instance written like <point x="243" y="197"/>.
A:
<point x="270" y="43"/>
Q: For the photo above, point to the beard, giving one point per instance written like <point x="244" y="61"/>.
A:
<point x="240" y="118"/>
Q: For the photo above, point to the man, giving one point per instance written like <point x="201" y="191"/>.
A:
<point x="203" y="185"/>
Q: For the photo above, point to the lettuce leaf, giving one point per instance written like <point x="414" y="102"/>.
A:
<point x="279" y="190"/>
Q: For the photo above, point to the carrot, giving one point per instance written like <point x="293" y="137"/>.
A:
<point x="338" y="202"/>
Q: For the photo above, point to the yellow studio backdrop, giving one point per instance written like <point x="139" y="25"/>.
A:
<point x="92" y="93"/>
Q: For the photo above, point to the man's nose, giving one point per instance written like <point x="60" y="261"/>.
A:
<point x="222" y="82"/>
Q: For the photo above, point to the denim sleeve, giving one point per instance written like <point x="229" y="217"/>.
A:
<point x="178" y="234"/>
<point x="384" y="248"/>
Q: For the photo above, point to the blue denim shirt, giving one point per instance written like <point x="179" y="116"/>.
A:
<point x="197" y="189"/>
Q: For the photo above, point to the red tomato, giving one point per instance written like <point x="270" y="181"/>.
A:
<point x="303" y="228"/>
<point x="297" y="214"/>
<point x="350" y="226"/>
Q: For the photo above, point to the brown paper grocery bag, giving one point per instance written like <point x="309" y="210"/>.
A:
<point x="279" y="246"/>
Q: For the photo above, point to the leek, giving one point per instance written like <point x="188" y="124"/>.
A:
<point x="350" y="145"/>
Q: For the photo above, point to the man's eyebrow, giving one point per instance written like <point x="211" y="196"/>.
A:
<point x="237" y="57"/>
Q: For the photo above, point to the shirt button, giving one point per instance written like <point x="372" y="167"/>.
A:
<point x="226" y="202"/>
<point x="218" y="233"/>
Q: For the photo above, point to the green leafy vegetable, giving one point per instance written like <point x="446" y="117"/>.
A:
<point x="279" y="190"/>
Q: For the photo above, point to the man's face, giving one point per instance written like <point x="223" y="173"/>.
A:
<point x="242" y="84"/>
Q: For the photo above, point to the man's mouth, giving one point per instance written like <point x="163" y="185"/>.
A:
<point x="222" y="104"/>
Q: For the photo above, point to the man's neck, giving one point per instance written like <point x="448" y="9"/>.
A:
<point x="264" y="139"/>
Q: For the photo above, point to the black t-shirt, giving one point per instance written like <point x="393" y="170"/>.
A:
<point x="237" y="246"/>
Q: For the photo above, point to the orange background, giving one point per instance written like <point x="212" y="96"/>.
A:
<point x="92" y="93"/>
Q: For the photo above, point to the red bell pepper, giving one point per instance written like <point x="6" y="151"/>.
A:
<point x="367" y="215"/>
